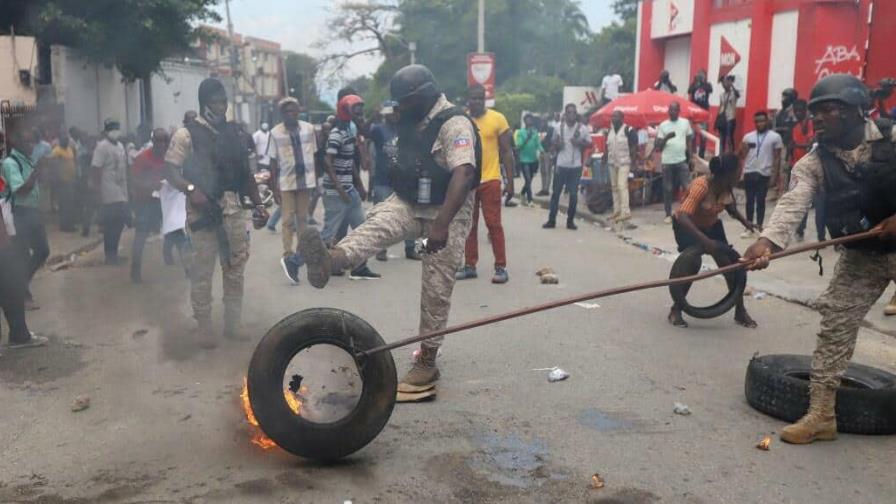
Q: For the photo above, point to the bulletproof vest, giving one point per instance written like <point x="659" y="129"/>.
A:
<point x="415" y="159"/>
<point x="219" y="161"/>
<point x="857" y="200"/>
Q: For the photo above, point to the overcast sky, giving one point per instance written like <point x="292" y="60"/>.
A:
<point x="298" y="24"/>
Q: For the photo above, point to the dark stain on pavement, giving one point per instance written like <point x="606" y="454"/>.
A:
<point x="42" y="364"/>
<point x="601" y="421"/>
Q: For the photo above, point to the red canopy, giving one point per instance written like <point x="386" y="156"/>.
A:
<point x="649" y="107"/>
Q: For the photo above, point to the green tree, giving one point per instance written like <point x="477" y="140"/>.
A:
<point x="133" y="35"/>
<point x="626" y="9"/>
<point x="301" y="74"/>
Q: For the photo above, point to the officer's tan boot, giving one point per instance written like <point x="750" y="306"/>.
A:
<point x="890" y="310"/>
<point x="423" y="373"/>
<point x="819" y="423"/>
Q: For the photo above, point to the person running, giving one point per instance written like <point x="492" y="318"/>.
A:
<point x="146" y="182"/>
<point x="697" y="222"/>
<point x="528" y="144"/>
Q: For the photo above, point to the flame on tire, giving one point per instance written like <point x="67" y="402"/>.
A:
<point x="258" y="437"/>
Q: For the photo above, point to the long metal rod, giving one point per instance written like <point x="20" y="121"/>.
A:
<point x="612" y="292"/>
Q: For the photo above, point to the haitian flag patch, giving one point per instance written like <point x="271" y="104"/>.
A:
<point x="462" y="143"/>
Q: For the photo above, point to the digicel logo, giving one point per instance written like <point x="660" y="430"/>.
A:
<point x="728" y="57"/>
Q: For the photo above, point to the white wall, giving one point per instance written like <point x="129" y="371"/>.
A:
<point x="175" y="91"/>
<point x="737" y="33"/>
<point x="678" y="62"/>
<point x="783" y="58"/>
<point x="19" y="53"/>
<point x="91" y="93"/>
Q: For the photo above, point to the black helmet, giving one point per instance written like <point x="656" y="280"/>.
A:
<point x="843" y="88"/>
<point x="413" y="80"/>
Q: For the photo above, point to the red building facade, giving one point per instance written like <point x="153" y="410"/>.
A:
<point x="767" y="45"/>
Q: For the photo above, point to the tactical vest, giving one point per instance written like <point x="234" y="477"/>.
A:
<point x="857" y="200"/>
<point x="219" y="161"/>
<point x="415" y="159"/>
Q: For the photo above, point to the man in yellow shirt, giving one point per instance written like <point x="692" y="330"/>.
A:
<point x="497" y="149"/>
<point x="62" y="159"/>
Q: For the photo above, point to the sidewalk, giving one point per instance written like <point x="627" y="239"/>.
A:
<point x="793" y="279"/>
<point x="63" y="245"/>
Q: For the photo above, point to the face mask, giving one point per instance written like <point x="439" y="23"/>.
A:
<point x="114" y="135"/>
<point x="212" y="117"/>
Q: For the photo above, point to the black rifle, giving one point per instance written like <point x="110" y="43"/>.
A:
<point x="213" y="218"/>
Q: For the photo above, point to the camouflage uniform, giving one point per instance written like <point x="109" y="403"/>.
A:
<point x="859" y="278"/>
<point x="206" y="249"/>
<point x="396" y="220"/>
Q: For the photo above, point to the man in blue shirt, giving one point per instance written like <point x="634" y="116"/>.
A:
<point x="384" y="136"/>
<point x="21" y="177"/>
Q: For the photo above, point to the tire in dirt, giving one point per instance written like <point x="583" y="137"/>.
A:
<point x="688" y="263"/>
<point x="778" y="385"/>
<point x="321" y="441"/>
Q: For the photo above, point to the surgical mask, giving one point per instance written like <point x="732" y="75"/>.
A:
<point x="114" y="135"/>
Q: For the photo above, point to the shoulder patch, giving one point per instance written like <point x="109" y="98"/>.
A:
<point x="462" y="143"/>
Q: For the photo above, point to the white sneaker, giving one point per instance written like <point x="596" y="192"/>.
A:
<point x="747" y="234"/>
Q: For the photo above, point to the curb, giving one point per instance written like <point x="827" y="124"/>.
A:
<point x="58" y="258"/>
<point x="604" y="223"/>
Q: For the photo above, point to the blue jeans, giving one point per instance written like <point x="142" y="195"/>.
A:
<point x="380" y="193"/>
<point x="568" y="178"/>
<point x="275" y="218"/>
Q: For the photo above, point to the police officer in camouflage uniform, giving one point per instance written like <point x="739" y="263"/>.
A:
<point x="854" y="165"/>
<point x="437" y="166"/>
<point x="208" y="160"/>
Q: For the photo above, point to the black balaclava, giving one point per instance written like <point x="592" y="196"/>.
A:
<point x="208" y="88"/>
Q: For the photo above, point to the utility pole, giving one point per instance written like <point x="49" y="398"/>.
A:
<point x="234" y="63"/>
<point x="480" y="46"/>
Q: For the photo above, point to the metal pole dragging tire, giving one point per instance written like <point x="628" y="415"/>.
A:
<point x="322" y="382"/>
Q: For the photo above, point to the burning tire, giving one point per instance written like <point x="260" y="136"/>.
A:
<point x="688" y="263"/>
<point x="294" y="428"/>
<point x="778" y="385"/>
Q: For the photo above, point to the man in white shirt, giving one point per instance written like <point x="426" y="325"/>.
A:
<point x="673" y="138"/>
<point x="609" y="88"/>
<point x="570" y="138"/>
<point x="262" y="139"/>
<point x="293" y="177"/>
<point x="761" y="153"/>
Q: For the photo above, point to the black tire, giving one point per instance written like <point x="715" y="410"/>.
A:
<point x="778" y="385"/>
<point x="321" y="441"/>
<point x="688" y="263"/>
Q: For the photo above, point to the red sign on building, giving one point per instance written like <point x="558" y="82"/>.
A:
<point x="728" y="57"/>
<point x="481" y="70"/>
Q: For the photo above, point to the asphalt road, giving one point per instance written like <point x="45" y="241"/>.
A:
<point x="164" y="423"/>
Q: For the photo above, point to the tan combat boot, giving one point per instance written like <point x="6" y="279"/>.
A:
<point x="819" y="423"/>
<point x="423" y="373"/>
<point x="890" y="310"/>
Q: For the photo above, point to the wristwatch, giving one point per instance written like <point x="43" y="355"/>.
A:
<point x="190" y="188"/>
